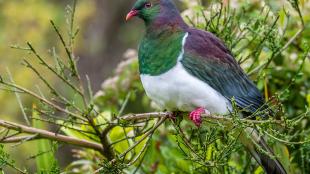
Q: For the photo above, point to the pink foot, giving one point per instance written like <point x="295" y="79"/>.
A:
<point x="195" y="115"/>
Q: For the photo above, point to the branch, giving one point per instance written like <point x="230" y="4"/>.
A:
<point x="144" y="136"/>
<point x="44" y="63"/>
<point x="147" y="136"/>
<point x="287" y="44"/>
<point x="223" y="119"/>
<point x="19" y="139"/>
<point x="243" y="120"/>
<point x="151" y="115"/>
<point x="43" y="134"/>
<point x="52" y="89"/>
<point x="42" y="99"/>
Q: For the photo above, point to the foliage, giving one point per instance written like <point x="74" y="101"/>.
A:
<point x="45" y="158"/>
<point x="6" y="161"/>
<point x="264" y="39"/>
<point x="29" y="20"/>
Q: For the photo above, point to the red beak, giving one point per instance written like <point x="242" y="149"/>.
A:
<point x="131" y="14"/>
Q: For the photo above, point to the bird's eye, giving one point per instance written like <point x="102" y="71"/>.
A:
<point x="148" y="5"/>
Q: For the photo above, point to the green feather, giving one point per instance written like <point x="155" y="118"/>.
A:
<point x="159" y="51"/>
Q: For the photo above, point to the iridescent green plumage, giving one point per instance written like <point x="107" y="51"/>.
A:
<point x="158" y="52"/>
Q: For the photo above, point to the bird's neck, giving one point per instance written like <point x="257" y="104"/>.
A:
<point x="162" y="43"/>
<point x="166" y="23"/>
<point x="159" y="51"/>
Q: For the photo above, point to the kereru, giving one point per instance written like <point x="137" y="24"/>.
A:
<point x="186" y="69"/>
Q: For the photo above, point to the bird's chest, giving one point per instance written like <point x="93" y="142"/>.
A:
<point x="158" y="53"/>
<point x="176" y="89"/>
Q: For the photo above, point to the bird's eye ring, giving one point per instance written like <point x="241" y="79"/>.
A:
<point x="148" y="5"/>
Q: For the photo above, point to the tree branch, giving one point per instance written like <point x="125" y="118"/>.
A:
<point x="223" y="119"/>
<point x="151" y="115"/>
<point x="46" y="135"/>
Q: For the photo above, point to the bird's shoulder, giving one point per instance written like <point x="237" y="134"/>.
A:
<point x="206" y="44"/>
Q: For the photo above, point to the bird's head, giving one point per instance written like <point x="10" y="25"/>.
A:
<point x="145" y="9"/>
<point x="149" y="10"/>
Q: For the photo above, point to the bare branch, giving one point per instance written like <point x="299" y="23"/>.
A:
<point x="152" y="115"/>
<point x="223" y="119"/>
<point x="48" y="135"/>
<point x="18" y="139"/>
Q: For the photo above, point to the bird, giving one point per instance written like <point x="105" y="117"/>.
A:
<point x="191" y="70"/>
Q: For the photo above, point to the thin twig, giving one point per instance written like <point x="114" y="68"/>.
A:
<point x="146" y="145"/>
<point x="18" y="139"/>
<point x="53" y="70"/>
<point x="144" y="136"/>
<point x="19" y="99"/>
<point x="53" y="90"/>
<point x="43" y="100"/>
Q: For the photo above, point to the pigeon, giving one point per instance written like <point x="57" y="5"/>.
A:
<point x="186" y="69"/>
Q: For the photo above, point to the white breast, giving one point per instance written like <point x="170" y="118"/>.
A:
<point x="179" y="90"/>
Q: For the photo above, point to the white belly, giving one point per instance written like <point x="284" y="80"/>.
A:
<point x="179" y="90"/>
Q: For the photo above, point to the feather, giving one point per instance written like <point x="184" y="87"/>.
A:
<point x="207" y="58"/>
<point x="270" y="165"/>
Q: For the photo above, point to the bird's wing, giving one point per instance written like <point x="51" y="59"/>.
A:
<point x="208" y="59"/>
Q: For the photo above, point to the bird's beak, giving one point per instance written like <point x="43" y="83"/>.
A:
<point x="131" y="14"/>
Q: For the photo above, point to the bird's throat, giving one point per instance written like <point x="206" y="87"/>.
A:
<point x="159" y="51"/>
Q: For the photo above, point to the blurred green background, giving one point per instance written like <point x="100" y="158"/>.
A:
<point x="103" y="39"/>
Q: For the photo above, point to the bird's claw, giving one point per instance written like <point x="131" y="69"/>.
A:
<point x="173" y="116"/>
<point x="195" y="115"/>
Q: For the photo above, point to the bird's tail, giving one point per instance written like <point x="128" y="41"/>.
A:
<point x="270" y="164"/>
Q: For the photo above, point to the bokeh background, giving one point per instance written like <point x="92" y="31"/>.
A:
<point x="103" y="39"/>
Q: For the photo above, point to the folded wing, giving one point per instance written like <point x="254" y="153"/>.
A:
<point x="207" y="58"/>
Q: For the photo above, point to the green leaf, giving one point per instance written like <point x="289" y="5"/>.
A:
<point x="259" y="170"/>
<point x="282" y="16"/>
<point x="284" y="156"/>
<point x="45" y="158"/>
<point x="72" y="131"/>
<point x="118" y="133"/>
<point x="308" y="99"/>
